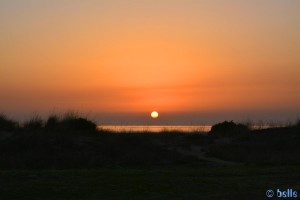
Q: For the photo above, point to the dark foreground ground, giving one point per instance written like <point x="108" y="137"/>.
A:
<point x="70" y="159"/>
<point x="243" y="182"/>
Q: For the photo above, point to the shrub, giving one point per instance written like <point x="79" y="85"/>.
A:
<point x="52" y="123"/>
<point x="74" y="123"/>
<point x="34" y="123"/>
<point x="6" y="124"/>
<point x="228" y="129"/>
<point x="298" y="124"/>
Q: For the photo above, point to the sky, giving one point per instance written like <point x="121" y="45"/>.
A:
<point x="195" y="62"/>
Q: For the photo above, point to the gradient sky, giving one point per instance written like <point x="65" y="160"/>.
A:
<point x="117" y="60"/>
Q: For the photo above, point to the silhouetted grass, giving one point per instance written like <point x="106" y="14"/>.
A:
<point x="71" y="141"/>
<point x="65" y="123"/>
<point x="298" y="124"/>
<point x="266" y="146"/>
<point x="75" y="123"/>
<point x="227" y="129"/>
<point x="34" y="123"/>
<point x="7" y="124"/>
<point x="143" y="165"/>
<point x="52" y="123"/>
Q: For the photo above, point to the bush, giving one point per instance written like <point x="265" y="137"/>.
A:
<point x="228" y="129"/>
<point x="6" y="124"/>
<point x="298" y="124"/>
<point x="52" y="123"/>
<point x="72" y="122"/>
<point x="34" y="123"/>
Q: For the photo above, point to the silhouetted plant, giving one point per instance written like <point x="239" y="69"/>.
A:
<point x="75" y="123"/>
<point x="34" y="123"/>
<point x="61" y="149"/>
<point x="7" y="124"/>
<point x="298" y="124"/>
<point x="52" y="123"/>
<point x="228" y="129"/>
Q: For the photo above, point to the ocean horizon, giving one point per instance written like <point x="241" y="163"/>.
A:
<point x="153" y="128"/>
<point x="160" y="128"/>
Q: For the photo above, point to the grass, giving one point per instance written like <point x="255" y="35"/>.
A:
<point x="245" y="182"/>
<point x="71" y="141"/>
<point x="66" y="157"/>
<point x="7" y="124"/>
<point x="34" y="123"/>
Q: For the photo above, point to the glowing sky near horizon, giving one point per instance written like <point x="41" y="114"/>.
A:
<point x="130" y="56"/>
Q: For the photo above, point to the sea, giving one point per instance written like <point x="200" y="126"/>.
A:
<point x="155" y="129"/>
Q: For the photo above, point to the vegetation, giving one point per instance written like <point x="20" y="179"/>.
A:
<point x="67" y="157"/>
<point x="71" y="141"/>
<point x="298" y="124"/>
<point x="228" y="129"/>
<point x="34" y="123"/>
<point x="193" y="183"/>
<point x="7" y="124"/>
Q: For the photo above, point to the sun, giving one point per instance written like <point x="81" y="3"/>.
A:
<point x="154" y="114"/>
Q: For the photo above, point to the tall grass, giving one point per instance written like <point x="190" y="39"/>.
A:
<point x="35" y="123"/>
<point x="73" y="122"/>
<point x="298" y="124"/>
<point x="67" y="122"/>
<point x="7" y="124"/>
<point x="72" y="141"/>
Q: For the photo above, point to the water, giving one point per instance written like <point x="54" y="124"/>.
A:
<point x="156" y="129"/>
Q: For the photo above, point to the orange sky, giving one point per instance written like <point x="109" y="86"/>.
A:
<point x="135" y="56"/>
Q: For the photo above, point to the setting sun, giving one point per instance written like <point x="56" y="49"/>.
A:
<point x="143" y="96"/>
<point x="154" y="114"/>
<point x="194" y="61"/>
